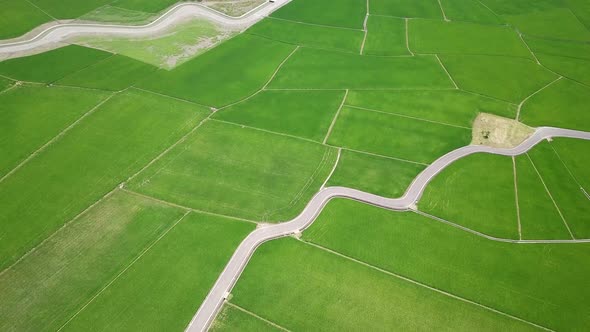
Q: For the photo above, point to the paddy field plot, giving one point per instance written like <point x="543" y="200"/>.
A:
<point x="320" y="69"/>
<point x="309" y="35"/>
<point x="230" y="318"/>
<point x="377" y="175"/>
<point x="558" y="23"/>
<point x="5" y="84"/>
<point x="183" y="266"/>
<point x="534" y="282"/>
<point x="95" y="156"/>
<point x="302" y="287"/>
<point x="396" y="136"/>
<point x="52" y="65"/>
<point x="575" y="155"/>
<point x="515" y="7"/>
<point x="68" y="9"/>
<point x="565" y="48"/>
<point x="72" y="266"/>
<point x="385" y="36"/>
<point x="339" y="13"/>
<point x="19" y="17"/>
<point x="154" y="6"/>
<point x="306" y="114"/>
<point x="406" y="8"/>
<point x="469" y="11"/>
<point x="32" y="115"/>
<point x="572" y="68"/>
<point x="239" y="171"/>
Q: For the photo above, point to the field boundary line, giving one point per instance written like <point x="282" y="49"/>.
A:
<point x="379" y="155"/>
<point x="42" y="10"/>
<point x="407" y="116"/>
<point x="446" y="71"/>
<point x="169" y="96"/>
<point x="408" y="37"/>
<point x="516" y="198"/>
<point x="335" y="117"/>
<point x="418" y="283"/>
<point x="371" y="89"/>
<point x="534" y="93"/>
<point x="365" y="34"/>
<point x="313" y="24"/>
<point x="443" y="11"/>
<point x="487" y="96"/>
<point x="551" y="196"/>
<point x="265" y="130"/>
<point x="57" y="137"/>
<point x="138" y="257"/>
<point x="569" y="170"/>
<point x="11" y="87"/>
<point x="528" y="47"/>
<point x="333" y="169"/>
<point x="256" y="316"/>
<point x="488" y="8"/>
<point x="67" y="223"/>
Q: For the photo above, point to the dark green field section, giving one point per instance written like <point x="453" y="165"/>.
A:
<point x="52" y="65"/>
<point x="242" y="172"/>
<point x="319" y="69"/>
<point x="184" y="265"/>
<point x="406" y="8"/>
<point x="339" y="13"/>
<point x="396" y="136"/>
<point x="68" y="9"/>
<point x="309" y="35"/>
<point x="301" y="287"/>
<point x="469" y="11"/>
<point x="226" y="74"/>
<point x="70" y="268"/>
<point x="152" y="6"/>
<point x="377" y="175"/>
<point x="564" y="104"/>
<point x="452" y="107"/>
<point x="32" y="115"/>
<point x="541" y="283"/>
<point x="506" y="78"/>
<point x="115" y="73"/>
<point x="306" y="114"/>
<point x="434" y="36"/>
<point x="386" y="36"/>
<point x="99" y="153"/>
<point x="19" y="17"/>
<point x="231" y="318"/>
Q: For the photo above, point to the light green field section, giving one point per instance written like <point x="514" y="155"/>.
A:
<point x="52" y="65"/>
<point x="301" y="287"/>
<point x="406" y="8"/>
<point x="572" y="68"/>
<point x="575" y="154"/>
<point x="385" y="36"/>
<point x="396" y="136"/>
<point x="67" y="9"/>
<point x="469" y="11"/>
<point x="439" y="37"/>
<point x="506" y="78"/>
<point x="453" y="107"/>
<point x="541" y="283"/>
<point x="559" y="47"/>
<point x="166" y="285"/>
<point x="309" y="35"/>
<point x="241" y="172"/>
<point x="228" y="73"/>
<point x="558" y="23"/>
<point x="339" y="13"/>
<point x="319" y="69"/>
<point x="102" y="151"/>
<point x="565" y="190"/>
<point x="539" y="217"/>
<point x="564" y="104"/>
<point x="476" y="192"/>
<point x="306" y="114"/>
<point x="168" y="51"/>
<point x="115" y="74"/>
<point x="119" y="15"/>
<point x="66" y="271"/>
<point x="377" y="175"/>
<point x="31" y="116"/>
<point x="515" y="7"/>
<point x="233" y="319"/>
<point x="19" y="17"/>
<point x="153" y="6"/>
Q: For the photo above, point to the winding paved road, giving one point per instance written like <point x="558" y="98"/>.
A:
<point x="214" y="300"/>
<point x="60" y="32"/>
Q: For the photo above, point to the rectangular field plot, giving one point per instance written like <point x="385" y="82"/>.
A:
<point x="230" y="318"/>
<point x="373" y="174"/>
<point x="153" y="6"/>
<point x="19" y="17"/>
<point x="309" y="35"/>
<point x="396" y="136"/>
<point x="469" y="11"/>
<point x="386" y="36"/>
<point x="476" y="192"/>
<point x="575" y="154"/>
<point x="115" y="73"/>
<point x="302" y="288"/>
<point x="165" y="287"/>
<point x="406" y="8"/>
<point x="319" y="69"/>
<point x="62" y="9"/>
<point x="32" y="115"/>
<point x="572" y="68"/>
<point x="558" y="23"/>
<point x="454" y="107"/>
<point x="237" y="171"/>
<point x="432" y="36"/>
<point x="52" y="65"/>
<point x="65" y="272"/>
<point x="100" y="152"/>
<point x="564" y="48"/>
<point x="339" y="13"/>
<point x="228" y="73"/>
<point x="534" y="282"/>
<point x="306" y="114"/>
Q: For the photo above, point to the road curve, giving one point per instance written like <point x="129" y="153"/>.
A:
<point x="212" y="303"/>
<point x="175" y="14"/>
